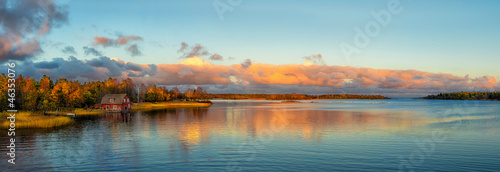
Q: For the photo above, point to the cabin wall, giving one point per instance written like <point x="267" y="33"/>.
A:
<point x="112" y="107"/>
<point x="121" y="107"/>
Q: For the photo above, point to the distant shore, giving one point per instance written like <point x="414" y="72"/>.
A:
<point x="491" y="96"/>
<point x="166" y="105"/>
<point x="291" y="97"/>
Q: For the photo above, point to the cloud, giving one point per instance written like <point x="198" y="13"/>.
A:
<point x="198" y="51"/>
<point x="183" y="47"/>
<point x="133" y="67"/>
<point x="69" y="50"/>
<point x="216" y="57"/>
<point x="71" y="68"/>
<point x="315" y="59"/>
<point x="91" y="51"/>
<point x="251" y="77"/>
<point x="24" y="23"/>
<point x="47" y="65"/>
<point x="121" y="40"/>
<point x="134" y="51"/>
<point x="115" y="67"/>
<point x="195" y="51"/>
<point x="105" y="42"/>
<point x="246" y="64"/>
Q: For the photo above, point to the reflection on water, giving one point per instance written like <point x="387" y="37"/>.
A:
<point x="270" y="136"/>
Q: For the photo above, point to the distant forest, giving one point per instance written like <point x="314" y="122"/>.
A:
<point x="45" y="94"/>
<point x="466" y="96"/>
<point x="34" y="95"/>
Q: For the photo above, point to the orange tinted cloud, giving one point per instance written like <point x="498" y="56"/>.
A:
<point x="196" y="71"/>
<point x="121" y="40"/>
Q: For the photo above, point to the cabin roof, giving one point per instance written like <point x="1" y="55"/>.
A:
<point x="118" y="99"/>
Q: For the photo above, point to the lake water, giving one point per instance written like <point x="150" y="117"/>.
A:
<point x="329" y="135"/>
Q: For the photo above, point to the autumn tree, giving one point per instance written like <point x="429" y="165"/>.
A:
<point x="3" y="94"/>
<point x="30" y="95"/>
<point x="199" y="93"/>
<point x="44" y="93"/>
<point x="189" y="93"/>
<point x="75" y="96"/>
<point x="67" y="94"/>
<point x="111" y="86"/>
<point x="20" y="95"/>
<point x="89" y="98"/>
<point x="166" y="94"/>
<point x="127" y="87"/>
<point x="155" y="94"/>
<point x="174" y="93"/>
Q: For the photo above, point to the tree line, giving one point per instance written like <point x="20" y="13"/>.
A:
<point x="293" y="96"/>
<point x="466" y="96"/>
<point x="45" y="94"/>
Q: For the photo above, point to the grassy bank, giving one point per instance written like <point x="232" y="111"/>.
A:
<point x="33" y="120"/>
<point x="290" y="101"/>
<point x="166" y="105"/>
<point x="24" y="120"/>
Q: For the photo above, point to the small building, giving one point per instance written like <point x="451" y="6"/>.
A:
<point x="116" y="102"/>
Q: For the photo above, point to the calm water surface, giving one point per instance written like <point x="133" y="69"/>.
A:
<point x="330" y="135"/>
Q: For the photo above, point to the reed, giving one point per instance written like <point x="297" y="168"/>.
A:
<point x="34" y="120"/>
<point x="78" y="111"/>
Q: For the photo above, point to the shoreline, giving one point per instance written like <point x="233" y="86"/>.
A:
<point x="495" y="100"/>
<point x="145" y="106"/>
<point x="55" y="119"/>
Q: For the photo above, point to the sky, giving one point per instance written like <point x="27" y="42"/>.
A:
<point x="398" y="48"/>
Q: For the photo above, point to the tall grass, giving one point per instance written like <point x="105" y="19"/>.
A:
<point x="78" y="111"/>
<point x="34" y="120"/>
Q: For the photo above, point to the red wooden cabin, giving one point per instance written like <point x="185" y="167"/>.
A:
<point x="116" y="102"/>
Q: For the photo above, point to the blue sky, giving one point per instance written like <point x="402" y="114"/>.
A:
<point x="458" y="37"/>
<point x="393" y="47"/>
